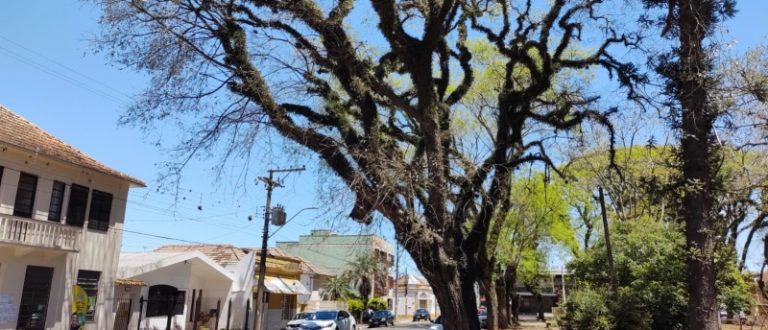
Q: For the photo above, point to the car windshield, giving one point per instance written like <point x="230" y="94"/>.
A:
<point x="421" y="311"/>
<point x="380" y="314"/>
<point x="327" y="315"/>
<point x="303" y="316"/>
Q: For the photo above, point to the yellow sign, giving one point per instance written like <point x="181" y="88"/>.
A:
<point x="79" y="300"/>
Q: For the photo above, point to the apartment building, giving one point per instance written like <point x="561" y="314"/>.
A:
<point x="334" y="253"/>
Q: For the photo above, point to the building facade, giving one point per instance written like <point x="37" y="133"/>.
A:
<point x="186" y="290"/>
<point x="334" y="253"/>
<point x="413" y="292"/>
<point x="61" y="220"/>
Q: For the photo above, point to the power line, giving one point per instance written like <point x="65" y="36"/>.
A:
<point x="94" y="88"/>
<point x="158" y="236"/>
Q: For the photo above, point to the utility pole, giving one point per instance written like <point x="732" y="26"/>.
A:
<point x="271" y="184"/>
<point x="397" y="274"/>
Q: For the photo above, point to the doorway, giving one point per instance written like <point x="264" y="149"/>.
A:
<point x="34" y="298"/>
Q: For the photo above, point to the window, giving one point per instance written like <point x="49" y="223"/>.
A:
<point x="25" y="195"/>
<point x="89" y="281"/>
<point x="101" y="206"/>
<point x="78" y="199"/>
<point x="57" y="200"/>
<point x="164" y="297"/>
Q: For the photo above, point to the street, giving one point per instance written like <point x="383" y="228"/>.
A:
<point x="404" y="325"/>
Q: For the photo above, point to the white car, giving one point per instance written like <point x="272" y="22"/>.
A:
<point x="330" y="320"/>
<point x="298" y="320"/>
<point x="437" y="324"/>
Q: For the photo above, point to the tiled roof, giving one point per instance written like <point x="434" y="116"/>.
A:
<point x="21" y="133"/>
<point x="129" y="282"/>
<point x="223" y="254"/>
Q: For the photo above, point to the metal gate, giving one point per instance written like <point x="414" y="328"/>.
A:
<point x="123" y="315"/>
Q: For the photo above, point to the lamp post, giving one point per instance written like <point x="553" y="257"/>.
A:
<point x="271" y="184"/>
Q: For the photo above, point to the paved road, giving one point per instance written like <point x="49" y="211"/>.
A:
<point x="404" y="326"/>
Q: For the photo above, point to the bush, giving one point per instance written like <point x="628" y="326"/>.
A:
<point x="377" y="304"/>
<point x="586" y="309"/>
<point x="355" y="306"/>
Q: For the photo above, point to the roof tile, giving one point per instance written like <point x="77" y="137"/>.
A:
<point x="21" y="133"/>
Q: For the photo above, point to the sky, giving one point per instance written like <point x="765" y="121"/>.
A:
<point x="51" y="74"/>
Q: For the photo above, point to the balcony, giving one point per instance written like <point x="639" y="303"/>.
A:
<point x="39" y="234"/>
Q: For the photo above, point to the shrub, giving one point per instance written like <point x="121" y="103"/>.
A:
<point x="586" y="309"/>
<point x="355" y="306"/>
<point x="377" y="304"/>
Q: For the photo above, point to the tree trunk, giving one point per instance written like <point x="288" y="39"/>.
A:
<point x="514" y="300"/>
<point x="455" y="294"/>
<point x="491" y="303"/>
<point x="503" y="302"/>
<point x="698" y="171"/>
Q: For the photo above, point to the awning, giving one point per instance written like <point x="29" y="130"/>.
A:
<point x="129" y="282"/>
<point x="283" y="286"/>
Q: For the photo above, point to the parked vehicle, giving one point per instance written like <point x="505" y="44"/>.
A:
<point x="384" y="318"/>
<point x="333" y="319"/>
<point x="421" y="314"/>
<point x="437" y="324"/>
<point x="298" y="320"/>
<point x="483" y="316"/>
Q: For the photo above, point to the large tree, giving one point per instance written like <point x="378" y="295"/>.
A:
<point x="688" y="70"/>
<point x="375" y="90"/>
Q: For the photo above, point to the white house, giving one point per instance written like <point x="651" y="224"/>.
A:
<point x="414" y="292"/>
<point x="61" y="220"/>
<point x="239" y="262"/>
<point x="179" y="287"/>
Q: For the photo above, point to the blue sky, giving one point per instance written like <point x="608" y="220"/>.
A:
<point x="50" y="74"/>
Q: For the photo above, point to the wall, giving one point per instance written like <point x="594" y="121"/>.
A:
<point x="177" y="275"/>
<point x="99" y="250"/>
<point x="332" y="252"/>
<point x="407" y="304"/>
<point x="13" y="267"/>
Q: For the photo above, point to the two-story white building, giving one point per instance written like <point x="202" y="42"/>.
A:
<point x="61" y="220"/>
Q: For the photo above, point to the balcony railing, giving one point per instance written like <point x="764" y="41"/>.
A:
<point x="38" y="233"/>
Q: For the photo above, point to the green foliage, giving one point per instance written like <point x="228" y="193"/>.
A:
<point x="587" y="309"/>
<point x="336" y="288"/>
<point x="649" y="257"/>
<point x="538" y="214"/>
<point x="355" y="306"/>
<point x="592" y="308"/>
<point x="734" y="289"/>
<point x="362" y="271"/>
<point x="377" y="304"/>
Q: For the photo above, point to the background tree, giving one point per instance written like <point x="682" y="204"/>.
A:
<point x="537" y="222"/>
<point x="376" y="105"/>
<point x="364" y="274"/>
<point x="692" y="88"/>
<point x="336" y="288"/>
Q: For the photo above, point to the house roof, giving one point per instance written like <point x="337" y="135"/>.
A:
<point x="412" y="280"/>
<point x="223" y="254"/>
<point x="18" y="132"/>
<point x="136" y="264"/>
